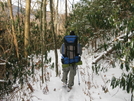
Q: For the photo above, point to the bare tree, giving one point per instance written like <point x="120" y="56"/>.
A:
<point x="44" y="27"/>
<point x="27" y="27"/>
<point x="66" y="14"/>
<point x="56" y="17"/>
<point x="53" y="31"/>
<point x="13" y="28"/>
<point x="18" y="17"/>
<point x="65" y="10"/>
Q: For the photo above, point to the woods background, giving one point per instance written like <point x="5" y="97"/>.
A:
<point x="100" y="25"/>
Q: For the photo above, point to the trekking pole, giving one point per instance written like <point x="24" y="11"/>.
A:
<point x="78" y="77"/>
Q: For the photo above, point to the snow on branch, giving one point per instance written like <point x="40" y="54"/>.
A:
<point x="120" y="38"/>
<point x="102" y="55"/>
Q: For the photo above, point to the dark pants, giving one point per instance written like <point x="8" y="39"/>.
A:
<point x="72" y="72"/>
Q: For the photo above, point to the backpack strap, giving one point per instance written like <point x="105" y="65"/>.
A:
<point x="62" y="49"/>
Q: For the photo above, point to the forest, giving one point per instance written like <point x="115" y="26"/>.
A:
<point x="105" y="29"/>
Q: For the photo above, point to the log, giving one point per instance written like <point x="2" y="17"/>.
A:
<point x="102" y="55"/>
<point x="120" y="38"/>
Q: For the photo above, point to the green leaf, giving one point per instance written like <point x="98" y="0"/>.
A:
<point x="113" y="82"/>
<point x="121" y="66"/>
<point x="122" y="83"/>
<point x="93" y="68"/>
<point x="117" y="83"/>
<point x="127" y="66"/>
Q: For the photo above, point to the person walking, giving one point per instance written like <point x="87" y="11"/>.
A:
<point x="70" y="56"/>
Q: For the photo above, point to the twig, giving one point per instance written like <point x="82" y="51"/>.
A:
<point x="116" y="92"/>
<point x="30" y="87"/>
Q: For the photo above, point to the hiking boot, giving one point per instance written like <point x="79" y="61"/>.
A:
<point x="69" y="88"/>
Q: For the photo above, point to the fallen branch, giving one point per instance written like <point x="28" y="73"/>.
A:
<point x="120" y="38"/>
<point x="102" y="55"/>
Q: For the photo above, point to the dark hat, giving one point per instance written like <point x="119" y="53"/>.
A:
<point x="72" y="33"/>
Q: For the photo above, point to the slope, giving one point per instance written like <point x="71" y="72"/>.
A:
<point x="92" y="87"/>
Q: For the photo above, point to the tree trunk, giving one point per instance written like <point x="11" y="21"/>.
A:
<point x="42" y="39"/>
<point x="55" y="42"/>
<point x="65" y="15"/>
<point x="13" y="29"/>
<point x="65" y="10"/>
<point x="27" y="27"/>
<point x="18" y="15"/>
<point x="43" y="35"/>
<point x="56" y="17"/>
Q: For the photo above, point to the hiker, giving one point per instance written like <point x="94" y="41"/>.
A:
<point x="68" y="53"/>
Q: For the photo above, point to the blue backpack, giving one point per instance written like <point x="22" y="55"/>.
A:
<point x="70" y="56"/>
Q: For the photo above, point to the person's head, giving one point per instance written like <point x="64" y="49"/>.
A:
<point x="72" y="33"/>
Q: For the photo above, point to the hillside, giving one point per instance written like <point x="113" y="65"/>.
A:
<point x="92" y="87"/>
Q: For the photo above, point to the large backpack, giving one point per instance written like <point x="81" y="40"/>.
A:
<point x="71" y="56"/>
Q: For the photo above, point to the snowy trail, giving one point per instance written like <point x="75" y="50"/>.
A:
<point x="66" y="96"/>
<point x="76" y="94"/>
<point x="69" y="96"/>
<point x="62" y="96"/>
<point x="90" y="88"/>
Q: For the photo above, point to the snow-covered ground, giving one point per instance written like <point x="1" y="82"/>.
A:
<point x="92" y="87"/>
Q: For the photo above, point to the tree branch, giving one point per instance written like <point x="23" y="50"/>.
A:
<point x="120" y="38"/>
